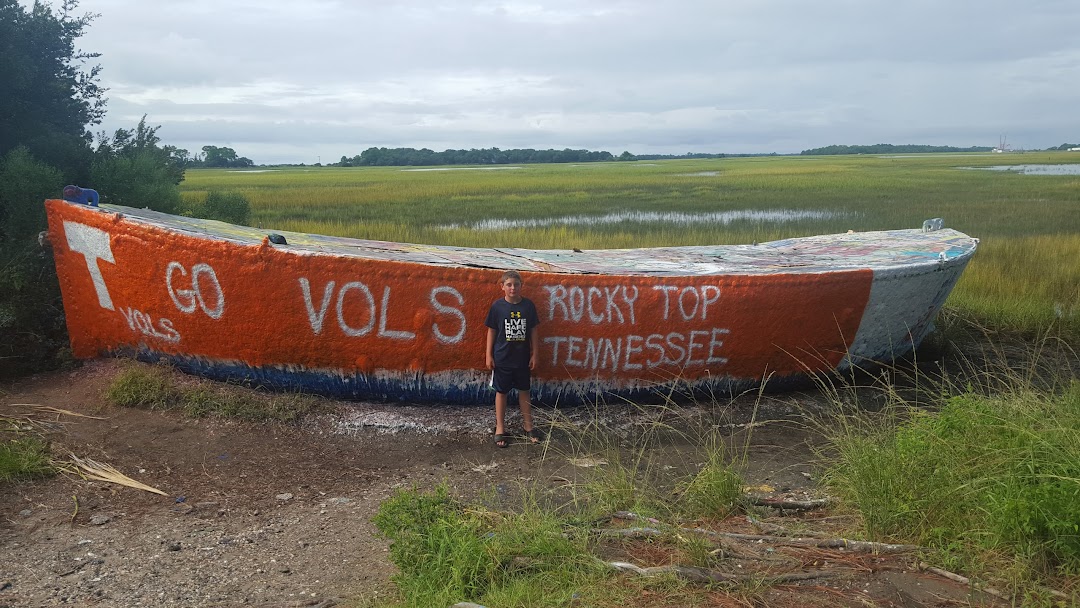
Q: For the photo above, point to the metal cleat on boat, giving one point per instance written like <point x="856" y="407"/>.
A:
<point x="931" y="225"/>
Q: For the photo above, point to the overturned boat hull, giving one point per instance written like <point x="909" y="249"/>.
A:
<point x="391" y="321"/>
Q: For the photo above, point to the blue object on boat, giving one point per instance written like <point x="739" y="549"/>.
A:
<point x="82" y="196"/>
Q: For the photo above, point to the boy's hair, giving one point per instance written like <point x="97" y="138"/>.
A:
<point x="510" y="274"/>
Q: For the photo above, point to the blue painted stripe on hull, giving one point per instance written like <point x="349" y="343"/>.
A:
<point x="420" y="391"/>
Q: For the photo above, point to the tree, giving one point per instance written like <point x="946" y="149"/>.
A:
<point x="50" y="99"/>
<point x="50" y="93"/>
<point x="224" y="157"/>
<point x="132" y="169"/>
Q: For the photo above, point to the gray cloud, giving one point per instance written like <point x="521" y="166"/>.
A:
<point x="292" y="82"/>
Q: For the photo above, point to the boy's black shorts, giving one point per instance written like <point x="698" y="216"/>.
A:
<point x="505" y="378"/>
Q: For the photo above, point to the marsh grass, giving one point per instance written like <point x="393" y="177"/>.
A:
<point x="156" y="387"/>
<point x="981" y="467"/>
<point x="1024" y="277"/>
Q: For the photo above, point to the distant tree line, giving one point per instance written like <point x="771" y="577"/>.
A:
<point x="1065" y="147"/>
<point x="891" y="149"/>
<point x="382" y="157"/>
<point x="688" y="155"/>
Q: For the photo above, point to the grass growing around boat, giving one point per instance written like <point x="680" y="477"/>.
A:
<point x="1024" y="278"/>
<point x="155" y="387"/>
<point x="986" y="476"/>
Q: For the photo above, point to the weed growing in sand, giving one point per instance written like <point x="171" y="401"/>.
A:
<point x="448" y="552"/>
<point x="144" y="387"/>
<point x="24" y="458"/>
<point x="155" y="387"/>
<point x="716" y="490"/>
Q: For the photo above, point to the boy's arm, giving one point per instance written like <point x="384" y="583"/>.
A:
<point x="534" y="344"/>
<point x="489" y="351"/>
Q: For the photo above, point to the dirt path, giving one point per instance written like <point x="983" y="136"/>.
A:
<point x="280" y="516"/>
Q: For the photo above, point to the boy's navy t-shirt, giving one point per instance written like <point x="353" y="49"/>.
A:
<point x="513" y="324"/>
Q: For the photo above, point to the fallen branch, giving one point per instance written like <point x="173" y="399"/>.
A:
<point x="791" y="505"/>
<point x="635" y="516"/>
<point x="963" y="580"/>
<point x="99" y="471"/>
<point x="702" y="575"/>
<point x="631" y="532"/>
<point x="821" y="543"/>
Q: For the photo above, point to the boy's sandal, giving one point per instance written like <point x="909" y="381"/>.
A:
<point x="500" y="441"/>
<point x="535" y="435"/>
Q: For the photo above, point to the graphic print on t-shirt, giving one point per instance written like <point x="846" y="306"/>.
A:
<point x="515" y="327"/>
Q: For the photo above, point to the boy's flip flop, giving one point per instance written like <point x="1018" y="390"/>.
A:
<point x="535" y="435"/>
<point x="501" y="442"/>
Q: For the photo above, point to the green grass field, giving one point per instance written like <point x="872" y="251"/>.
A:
<point x="1025" y="277"/>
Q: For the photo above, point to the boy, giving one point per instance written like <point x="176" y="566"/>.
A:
<point x="512" y="351"/>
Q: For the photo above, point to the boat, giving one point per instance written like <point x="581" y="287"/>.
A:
<point x="374" y="320"/>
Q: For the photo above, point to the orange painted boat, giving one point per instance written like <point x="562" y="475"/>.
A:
<point x="391" y="321"/>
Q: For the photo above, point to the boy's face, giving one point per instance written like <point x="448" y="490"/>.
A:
<point x="512" y="289"/>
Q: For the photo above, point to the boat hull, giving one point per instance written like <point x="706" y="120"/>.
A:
<point x="399" y="322"/>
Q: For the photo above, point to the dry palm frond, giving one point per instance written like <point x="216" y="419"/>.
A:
<point x="57" y="410"/>
<point x="92" y="469"/>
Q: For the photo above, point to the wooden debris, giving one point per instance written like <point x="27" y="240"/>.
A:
<point x="703" y="575"/>
<point x="821" y="543"/>
<point x="963" y="580"/>
<point x="793" y="505"/>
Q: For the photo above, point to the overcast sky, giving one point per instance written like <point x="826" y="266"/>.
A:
<point x="304" y="80"/>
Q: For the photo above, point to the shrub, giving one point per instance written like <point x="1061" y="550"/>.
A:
<point x="32" y="331"/>
<point x="224" y="205"/>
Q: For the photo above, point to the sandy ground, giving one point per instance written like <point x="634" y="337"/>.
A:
<point x="269" y="515"/>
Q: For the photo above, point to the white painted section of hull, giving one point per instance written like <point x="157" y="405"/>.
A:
<point x="901" y="309"/>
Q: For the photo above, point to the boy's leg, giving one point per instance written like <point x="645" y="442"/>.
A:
<point x="500" y="413"/>
<point x="522" y="382"/>
<point x="501" y="382"/>
<point x="525" y="403"/>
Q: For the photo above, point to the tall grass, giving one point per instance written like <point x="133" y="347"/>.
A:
<point x="987" y="477"/>
<point x="1024" y="278"/>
